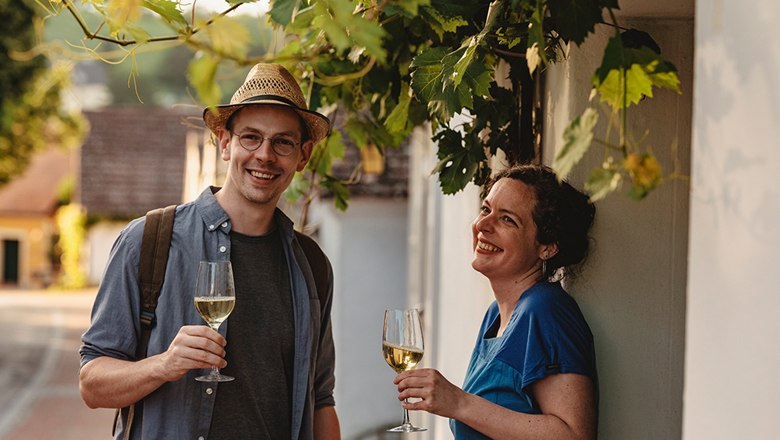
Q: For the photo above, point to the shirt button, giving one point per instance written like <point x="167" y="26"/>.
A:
<point x="209" y="391"/>
<point x="224" y="225"/>
<point x="201" y="438"/>
<point x="222" y="248"/>
<point x="211" y="227"/>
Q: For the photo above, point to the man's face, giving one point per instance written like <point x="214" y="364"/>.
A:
<point x="260" y="176"/>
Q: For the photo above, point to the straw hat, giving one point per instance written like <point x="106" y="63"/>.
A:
<point x="268" y="84"/>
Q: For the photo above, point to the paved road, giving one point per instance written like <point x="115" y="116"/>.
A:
<point x="40" y="333"/>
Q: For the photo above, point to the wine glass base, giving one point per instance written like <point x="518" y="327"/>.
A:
<point x="406" y="428"/>
<point x="214" y="378"/>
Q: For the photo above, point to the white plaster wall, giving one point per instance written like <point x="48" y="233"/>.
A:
<point x="367" y="247"/>
<point x="100" y="238"/>
<point x="732" y="389"/>
<point x="632" y="291"/>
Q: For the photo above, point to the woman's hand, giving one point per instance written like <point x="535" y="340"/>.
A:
<point x="439" y="396"/>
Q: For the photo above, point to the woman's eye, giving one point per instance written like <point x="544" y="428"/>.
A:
<point x="509" y="220"/>
<point x="484" y="210"/>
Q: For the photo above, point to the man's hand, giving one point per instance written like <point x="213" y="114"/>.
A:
<point x="195" y="346"/>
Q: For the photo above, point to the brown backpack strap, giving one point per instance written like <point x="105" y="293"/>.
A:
<point x="317" y="262"/>
<point x="151" y="269"/>
<point x="155" y="244"/>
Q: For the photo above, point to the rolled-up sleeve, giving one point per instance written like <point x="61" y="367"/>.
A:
<point x="114" y="326"/>
<point x="324" y="377"/>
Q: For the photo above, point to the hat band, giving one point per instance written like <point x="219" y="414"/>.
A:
<point x="274" y="97"/>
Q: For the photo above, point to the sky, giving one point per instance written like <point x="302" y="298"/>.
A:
<point x="260" y="6"/>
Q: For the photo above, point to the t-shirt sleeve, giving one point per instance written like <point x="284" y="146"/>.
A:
<point x="550" y="337"/>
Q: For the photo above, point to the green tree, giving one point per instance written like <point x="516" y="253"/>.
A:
<point x="31" y="115"/>
<point x="383" y="67"/>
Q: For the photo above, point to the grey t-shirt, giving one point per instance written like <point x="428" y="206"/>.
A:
<point x="260" y="344"/>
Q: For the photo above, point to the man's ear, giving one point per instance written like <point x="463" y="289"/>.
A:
<point x="306" y="149"/>
<point x="223" y="143"/>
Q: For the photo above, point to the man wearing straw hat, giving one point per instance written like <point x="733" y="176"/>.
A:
<point x="281" y="347"/>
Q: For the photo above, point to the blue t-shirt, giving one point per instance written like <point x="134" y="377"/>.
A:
<point x="546" y="334"/>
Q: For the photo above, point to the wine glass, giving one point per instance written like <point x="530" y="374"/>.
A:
<point x="402" y="347"/>
<point x="215" y="298"/>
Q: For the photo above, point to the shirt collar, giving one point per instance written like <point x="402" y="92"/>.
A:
<point x="214" y="216"/>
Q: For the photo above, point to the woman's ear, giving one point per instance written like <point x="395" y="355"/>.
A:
<point x="548" y="251"/>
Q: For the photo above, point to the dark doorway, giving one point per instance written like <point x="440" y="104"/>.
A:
<point x="10" y="262"/>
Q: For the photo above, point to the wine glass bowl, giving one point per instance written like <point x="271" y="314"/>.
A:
<point x="403" y="348"/>
<point x="214" y="300"/>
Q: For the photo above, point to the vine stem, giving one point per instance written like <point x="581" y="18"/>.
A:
<point x="624" y="85"/>
<point x="122" y="42"/>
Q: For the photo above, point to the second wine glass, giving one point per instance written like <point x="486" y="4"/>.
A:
<point x="215" y="298"/>
<point x="403" y="348"/>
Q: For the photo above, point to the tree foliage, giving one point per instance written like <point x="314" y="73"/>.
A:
<point x="384" y="67"/>
<point x="31" y="115"/>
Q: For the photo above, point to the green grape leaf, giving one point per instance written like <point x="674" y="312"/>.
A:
<point x="575" y="19"/>
<point x="577" y="138"/>
<point x="298" y="187"/>
<point x="441" y="24"/>
<point x="322" y="157"/>
<point x="412" y="6"/>
<point x="282" y="11"/>
<point x="427" y="81"/>
<point x="166" y="9"/>
<point x="643" y="67"/>
<point x="464" y="61"/>
<point x="457" y="165"/>
<point x="339" y="190"/>
<point x="356" y="131"/>
<point x="346" y="30"/>
<point x="456" y="171"/>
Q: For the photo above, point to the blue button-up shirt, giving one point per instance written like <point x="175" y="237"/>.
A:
<point x="183" y="409"/>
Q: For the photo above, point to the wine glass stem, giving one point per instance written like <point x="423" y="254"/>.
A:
<point x="214" y="369"/>
<point x="406" y="416"/>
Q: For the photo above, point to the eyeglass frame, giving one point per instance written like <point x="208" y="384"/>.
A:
<point x="262" y="141"/>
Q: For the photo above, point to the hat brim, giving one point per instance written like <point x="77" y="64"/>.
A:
<point x="318" y="124"/>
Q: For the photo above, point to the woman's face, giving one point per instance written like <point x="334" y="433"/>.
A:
<point x="504" y="233"/>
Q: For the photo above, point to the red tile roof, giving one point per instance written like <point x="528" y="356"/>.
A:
<point x="34" y="193"/>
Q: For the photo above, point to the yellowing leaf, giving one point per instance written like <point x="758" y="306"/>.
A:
<point x="397" y="120"/>
<point x="201" y="73"/>
<point x="228" y="36"/>
<point x="532" y="57"/>
<point x="122" y="11"/>
<point x="603" y="181"/>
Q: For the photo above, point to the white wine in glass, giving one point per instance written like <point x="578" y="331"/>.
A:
<point x="215" y="298"/>
<point x="403" y="348"/>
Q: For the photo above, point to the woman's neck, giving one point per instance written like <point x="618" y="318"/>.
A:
<point x="508" y="293"/>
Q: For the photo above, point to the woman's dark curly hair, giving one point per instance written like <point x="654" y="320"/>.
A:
<point x="562" y="215"/>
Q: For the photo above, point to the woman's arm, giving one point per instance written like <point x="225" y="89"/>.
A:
<point x="567" y="401"/>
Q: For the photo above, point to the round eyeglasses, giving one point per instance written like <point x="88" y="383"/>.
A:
<point x="251" y="141"/>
